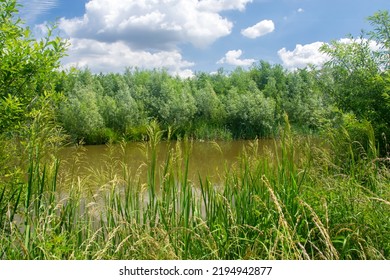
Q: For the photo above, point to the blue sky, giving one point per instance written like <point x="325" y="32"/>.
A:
<point x="187" y="36"/>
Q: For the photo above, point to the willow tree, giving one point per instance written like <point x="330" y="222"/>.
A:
<point x="27" y="69"/>
<point x="361" y="75"/>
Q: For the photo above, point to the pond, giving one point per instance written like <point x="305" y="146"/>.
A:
<point x="101" y="162"/>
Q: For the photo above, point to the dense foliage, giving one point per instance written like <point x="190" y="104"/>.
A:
<point x="241" y="104"/>
<point x="26" y="69"/>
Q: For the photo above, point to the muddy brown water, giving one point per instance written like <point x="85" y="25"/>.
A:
<point x="207" y="159"/>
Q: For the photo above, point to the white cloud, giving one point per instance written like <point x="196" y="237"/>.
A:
<point x="300" y="10"/>
<point x="158" y="24"/>
<point x="116" y="56"/>
<point x="303" y="55"/>
<point x="186" y="73"/>
<point x="31" y="9"/>
<point x="373" y="45"/>
<point x="260" y="29"/>
<point x="233" y="58"/>
<point x="222" y="5"/>
<point x="114" y="34"/>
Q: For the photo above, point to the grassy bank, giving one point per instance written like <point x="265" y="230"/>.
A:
<point x="304" y="202"/>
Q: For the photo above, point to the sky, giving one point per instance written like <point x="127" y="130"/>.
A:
<point x="190" y="36"/>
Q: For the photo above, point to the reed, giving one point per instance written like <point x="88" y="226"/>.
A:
<point x="299" y="202"/>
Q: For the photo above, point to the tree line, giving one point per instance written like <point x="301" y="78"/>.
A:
<point x="242" y="104"/>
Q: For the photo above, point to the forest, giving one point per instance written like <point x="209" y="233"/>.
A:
<point x="327" y="198"/>
<point x="242" y="104"/>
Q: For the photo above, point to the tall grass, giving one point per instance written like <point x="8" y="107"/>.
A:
<point x="298" y="202"/>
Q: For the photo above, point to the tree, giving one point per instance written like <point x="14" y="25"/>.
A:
<point x="303" y="100"/>
<point x="80" y="114"/>
<point x="381" y="33"/>
<point x="210" y="109"/>
<point x="27" y="68"/>
<point x="360" y="75"/>
<point x="117" y="105"/>
<point x="249" y="114"/>
<point x="176" y="104"/>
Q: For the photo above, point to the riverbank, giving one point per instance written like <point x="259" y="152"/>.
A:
<point x="301" y="203"/>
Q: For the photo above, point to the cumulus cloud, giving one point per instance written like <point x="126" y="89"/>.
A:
<point x="223" y="5"/>
<point x="116" y="56"/>
<point x="310" y="54"/>
<point x="159" y="24"/>
<point x="233" y="58"/>
<point x="373" y="45"/>
<point x="303" y="55"/>
<point x="259" y="29"/>
<point x="300" y="10"/>
<point x="114" y="34"/>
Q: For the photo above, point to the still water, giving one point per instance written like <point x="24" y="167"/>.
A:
<point x="207" y="159"/>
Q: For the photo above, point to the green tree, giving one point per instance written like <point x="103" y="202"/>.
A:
<point x="249" y="114"/>
<point x="360" y="75"/>
<point x="117" y="105"/>
<point x="210" y="109"/>
<point x="381" y="33"/>
<point x="176" y="104"/>
<point x="303" y="100"/>
<point x="27" y="69"/>
<point x="80" y="115"/>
